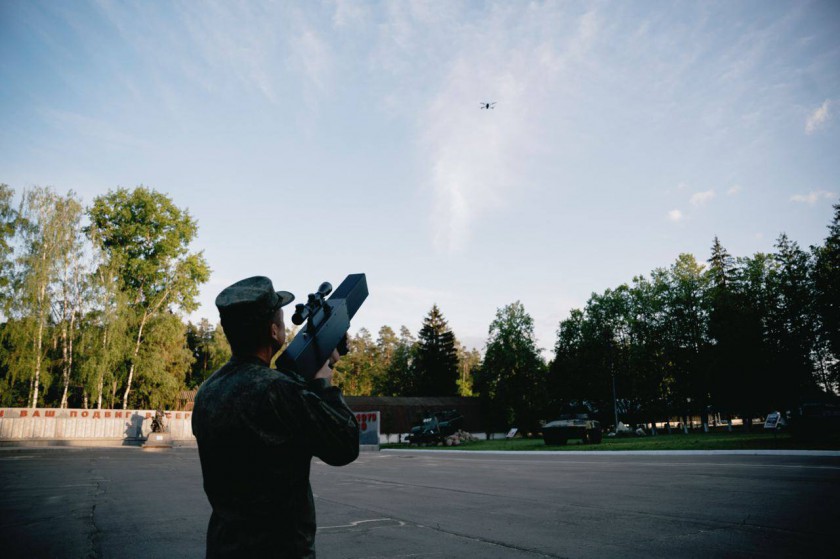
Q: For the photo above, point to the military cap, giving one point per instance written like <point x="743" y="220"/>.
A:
<point x="251" y="298"/>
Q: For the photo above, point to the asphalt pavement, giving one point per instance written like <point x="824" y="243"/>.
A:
<point x="126" y="503"/>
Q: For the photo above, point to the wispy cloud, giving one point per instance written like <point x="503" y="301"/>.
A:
<point x="311" y="55"/>
<point x="84" y="127"/>
<point x="819" y="118"/>
<point x="348" y="12"/>
<point x="675" y="216"/>
<point x="475" y="157"/>
<point x="813" y="197"/>
<point x="223" y="47"/>
<point x="734" y="189"/>
<point x="702" y="198"/>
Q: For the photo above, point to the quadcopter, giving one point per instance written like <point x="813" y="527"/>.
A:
<point x="486" y="105"/>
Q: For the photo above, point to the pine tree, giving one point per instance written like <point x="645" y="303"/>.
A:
<point x="791" y="324"/>
<point x="436" y="362"/>
<point x="827" y="295"/>
<point x="724" y="376"/>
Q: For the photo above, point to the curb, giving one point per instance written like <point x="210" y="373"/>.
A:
<point x="820" y="453"/>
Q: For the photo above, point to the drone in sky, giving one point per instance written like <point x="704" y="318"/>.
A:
<point x="486" y="105"/>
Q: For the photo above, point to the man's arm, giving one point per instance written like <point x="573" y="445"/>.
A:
<point x="333" y="432"/>
<point x="323" y="421"/>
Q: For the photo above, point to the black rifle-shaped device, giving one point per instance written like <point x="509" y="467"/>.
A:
<point x="327" y="321"/>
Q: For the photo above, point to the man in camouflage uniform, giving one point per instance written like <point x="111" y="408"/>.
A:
<point x="257" y="430"/>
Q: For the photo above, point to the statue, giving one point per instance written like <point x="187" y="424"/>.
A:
<point x="158" y="439"/>
<point x="157" y="422"/>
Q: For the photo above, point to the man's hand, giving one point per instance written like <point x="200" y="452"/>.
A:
<point x="326" y="372"/>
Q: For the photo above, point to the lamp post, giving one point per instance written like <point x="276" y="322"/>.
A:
<point x="687" y="412"/>
<point x="615" y="405"/>
<point x="612" y="374"/>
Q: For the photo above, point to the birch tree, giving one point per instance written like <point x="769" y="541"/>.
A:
<point x="145" y="239"/>
<point x="68" y="299"/>
<point x="43" y="243"/>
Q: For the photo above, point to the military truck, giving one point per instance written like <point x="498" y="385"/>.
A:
<point x="572" y="426"/>
<point x="435" y="427"/>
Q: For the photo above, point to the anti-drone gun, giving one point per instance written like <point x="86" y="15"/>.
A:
<point x="327" y="321"/>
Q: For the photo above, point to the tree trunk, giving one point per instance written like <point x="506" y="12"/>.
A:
<point x="65" y="373"/>
<point x="68" y="323"/>
<point x="134" y="360"/>
<point x="69" y="354"/>
<point x="113" y="393"/>
<point x="29" y="395"/>
<point x="39" y="341"/>
<point x="100" y="382"/>
<point x="99" y="390"/>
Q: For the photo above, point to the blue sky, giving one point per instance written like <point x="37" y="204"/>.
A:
<point x="315" y="139"/>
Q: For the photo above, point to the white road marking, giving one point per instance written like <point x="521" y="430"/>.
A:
<point x="355" y="524"/>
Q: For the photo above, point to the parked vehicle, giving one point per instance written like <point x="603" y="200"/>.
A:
<point x="572" y="426"/>
<point x="435" y="427"/>
<point x="817" y="419"/>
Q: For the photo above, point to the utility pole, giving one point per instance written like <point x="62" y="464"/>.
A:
<point x="612" y="374"/>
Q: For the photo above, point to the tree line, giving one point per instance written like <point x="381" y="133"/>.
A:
<point x="93" y="299"/>
<point x="731" y="336"/>
<point x="736" y="336"/>
<point x="90" y="298"/>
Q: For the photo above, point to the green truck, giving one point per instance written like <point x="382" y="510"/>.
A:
<point x="572" y="426"/>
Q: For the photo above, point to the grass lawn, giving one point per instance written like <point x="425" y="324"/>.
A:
<point x="692" y="441"/>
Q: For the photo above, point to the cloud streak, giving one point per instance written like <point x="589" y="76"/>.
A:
<point x="475" y="157"/>
<point x="700" y="199"/>
<point x="813" y="197"/>
<point x="819" y="118"/>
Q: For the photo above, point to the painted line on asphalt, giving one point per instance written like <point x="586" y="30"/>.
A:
<point x="380" y="521"/>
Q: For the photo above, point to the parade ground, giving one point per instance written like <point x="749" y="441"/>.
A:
<point x="130" y="503"/>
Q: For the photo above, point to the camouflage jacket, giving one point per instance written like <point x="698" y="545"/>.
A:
<point x="257" y="431"/>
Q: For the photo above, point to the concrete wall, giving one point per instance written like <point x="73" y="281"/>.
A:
<point x="130" y="426"/>
<point x="78" y="427"/>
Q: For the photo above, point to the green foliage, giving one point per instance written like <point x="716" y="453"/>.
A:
<point x="826" y="278"/>
<point x="8" y="228"/>
<point x="469" y="364"/>
<point x="744" y="336"/>
<point x="791" y="324"/>
<point x="47" y="241"/>
<point x="76" y="330"/>
<point x="144" y="239"/>
<point x="162" y="363"/>
<point x="435" y="366"/>
<point x="356" y="372"/>
<point x="398" y="378"/>
<point x="102" y="352"/>
<point x="86" y="323"/>
<point x="209" y="348"/>
<point x="512" y="378"/>
<point x="691" y="441"/>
